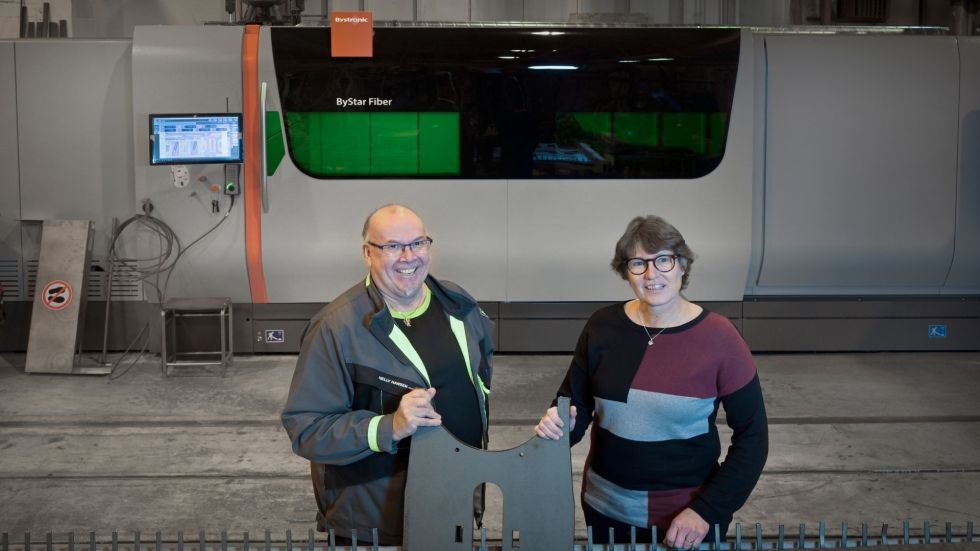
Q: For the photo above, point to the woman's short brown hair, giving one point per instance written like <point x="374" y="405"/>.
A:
<point x="651" y="234"/>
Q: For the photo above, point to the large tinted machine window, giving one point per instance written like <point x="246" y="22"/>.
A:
<point x="509" y="102"/>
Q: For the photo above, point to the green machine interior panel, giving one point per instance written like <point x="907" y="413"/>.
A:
<point x="439" y="143"/>
<point x="594" y="123"/>
<point x="345" y="143"/>
<point x="685" y="131"/>
<point x="636" y="128"/>
<point x="394" y="143"/>
<point x="275" y="148"/>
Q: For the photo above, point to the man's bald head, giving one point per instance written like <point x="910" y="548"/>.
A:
<point x="393" y="210"/>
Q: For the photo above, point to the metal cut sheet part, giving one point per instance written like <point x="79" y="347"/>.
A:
<point x="534" y="478"/>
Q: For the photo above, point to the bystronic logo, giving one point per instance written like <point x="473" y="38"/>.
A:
<point x="354" y="20"/>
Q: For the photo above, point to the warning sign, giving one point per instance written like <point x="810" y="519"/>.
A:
<point x="56" y="295"/>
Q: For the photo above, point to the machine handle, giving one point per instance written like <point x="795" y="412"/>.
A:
<point x="265" y="178"/>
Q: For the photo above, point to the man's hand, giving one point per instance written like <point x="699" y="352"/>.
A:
<point x="550" y="425"/>
<point x="687" y="530"/>
<point x="415" y="410"/>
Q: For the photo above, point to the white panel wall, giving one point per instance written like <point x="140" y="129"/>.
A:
<point x="964" y="275"/>
<point x="9" y="167"/>
<point x="860" y="164"/>
<point x="312" y="235"/>
<point x="191" y="70"/>
<point x="76" y="143"/>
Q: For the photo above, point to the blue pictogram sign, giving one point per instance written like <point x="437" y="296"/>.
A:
<point x="275" y="336"/>
<point x="937" y="331"/>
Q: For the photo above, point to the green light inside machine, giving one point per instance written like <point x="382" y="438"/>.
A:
<point x="375" y="144"/>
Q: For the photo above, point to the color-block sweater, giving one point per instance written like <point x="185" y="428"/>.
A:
<point x="655" y="445"/>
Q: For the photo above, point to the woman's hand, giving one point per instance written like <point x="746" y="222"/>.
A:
<point x="687" y="530"/>
<point x="551" y="424"/>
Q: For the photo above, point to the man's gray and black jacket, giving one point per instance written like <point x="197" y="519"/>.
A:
<point x="353" y="368"/>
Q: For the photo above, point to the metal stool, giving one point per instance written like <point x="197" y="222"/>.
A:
<point x="171" y="357"/>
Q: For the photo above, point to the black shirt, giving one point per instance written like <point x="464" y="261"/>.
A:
<point x="455" y="400"/>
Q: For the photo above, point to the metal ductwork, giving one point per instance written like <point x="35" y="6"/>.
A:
<point x="268" y="12"/>
<point x="45" y="28"/>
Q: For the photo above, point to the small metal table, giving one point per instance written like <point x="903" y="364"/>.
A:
<point x="171" y="357"/>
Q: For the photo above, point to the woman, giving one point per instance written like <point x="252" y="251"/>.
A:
<point x="651" y="372"/>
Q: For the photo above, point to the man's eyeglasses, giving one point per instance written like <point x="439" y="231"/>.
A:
<point x="392" y="249"/>
<point x="663" y="263"/>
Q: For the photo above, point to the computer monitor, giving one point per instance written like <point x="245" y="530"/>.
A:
<point x="196" y="138"/>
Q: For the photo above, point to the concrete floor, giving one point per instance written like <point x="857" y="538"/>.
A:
<point x="876" y="438"/>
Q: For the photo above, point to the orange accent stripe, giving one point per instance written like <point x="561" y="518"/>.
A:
<point x="252" y="171"/>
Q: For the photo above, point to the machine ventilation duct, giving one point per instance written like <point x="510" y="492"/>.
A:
<point x="10" y="279"/>
<point x="269" y="12"/>
<point x="126" y="284"/>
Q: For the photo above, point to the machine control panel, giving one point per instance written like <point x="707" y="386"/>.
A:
<point x="232" y="185"/>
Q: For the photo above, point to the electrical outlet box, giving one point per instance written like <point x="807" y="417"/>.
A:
<point x="180" y="175"/>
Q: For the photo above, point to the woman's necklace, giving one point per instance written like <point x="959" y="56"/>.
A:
<point x="643" y="324"/>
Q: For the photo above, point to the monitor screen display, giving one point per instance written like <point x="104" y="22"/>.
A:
<point x="196" y="138"/>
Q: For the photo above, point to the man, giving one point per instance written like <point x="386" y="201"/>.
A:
<point x="397" y="351"/>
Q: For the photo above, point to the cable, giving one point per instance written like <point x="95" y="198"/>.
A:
<point x="112" y="371"/>
<point x="152" y="266"/>
<point x="180" y="252"/>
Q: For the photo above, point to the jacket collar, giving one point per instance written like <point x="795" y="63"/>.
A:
<point x="379" y="321"/>
<point x="454" y="303"/>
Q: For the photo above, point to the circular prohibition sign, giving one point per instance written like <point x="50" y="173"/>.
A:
<point x="56" y="295"/>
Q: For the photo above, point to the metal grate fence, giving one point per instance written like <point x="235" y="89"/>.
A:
<point x="945" y="536"/>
